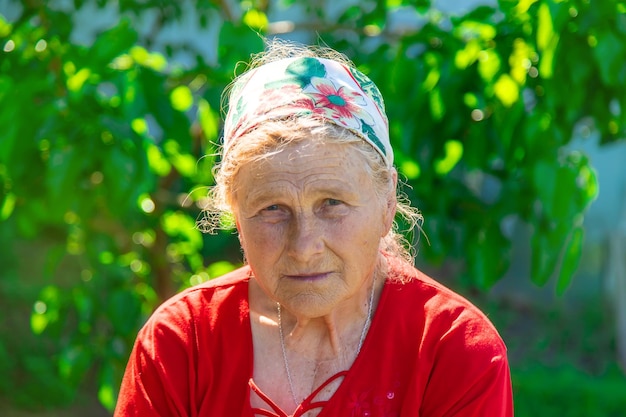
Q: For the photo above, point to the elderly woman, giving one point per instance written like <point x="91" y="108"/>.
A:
<point x="327" y="317"/>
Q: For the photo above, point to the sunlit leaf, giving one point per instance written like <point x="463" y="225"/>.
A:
<point x="76" y="81"/>
<point x="139" y="125"/>
<point x="184" y="163"/>
<point x="588" y="181"/>
<point x="524" y="5"/>
<point x="467" y="56"/>
<point x="182" y="225"/>
<point x="142" y="57"/>
<point x="470" y="29"/>
<point x="547" y="41"/>
<point x="106" y="258"/>
<point x="410" y="168"/>
<point x="38" y="323"/>
<point x="7" y="206"/>
<point x="431" y="79"/>
<point x="255" y="19"/>
<point x="5" y="27"/>
<point x="520" y="61"/>
<point x="217" y="269"/>
<point x="157" y="161"/>
<point x="488" y="64"/>
<point x="470" y="100"/>
<point x="46" y="309"/>
<point x="437" y="106"/>
<point x="122" y="62"/>
<point x="106" y="391"/>
<point x="453" y="154"/>
<point x="181" y="98"/>
<point x="545" y="29"/>
<point x="506" y="90"/>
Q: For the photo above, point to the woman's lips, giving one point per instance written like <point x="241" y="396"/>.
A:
<point x="309" y="276"/>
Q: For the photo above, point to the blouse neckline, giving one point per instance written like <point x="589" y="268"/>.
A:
<point x="308" y="403"/>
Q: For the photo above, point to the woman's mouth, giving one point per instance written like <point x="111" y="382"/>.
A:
<point x="315" y="276"/>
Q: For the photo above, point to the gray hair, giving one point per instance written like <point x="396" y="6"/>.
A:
<point x="273" y="136"/>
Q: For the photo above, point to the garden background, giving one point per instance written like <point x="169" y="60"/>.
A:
<point x="508" y="121"/>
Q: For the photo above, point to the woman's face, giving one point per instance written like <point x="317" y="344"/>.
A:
<point x="310" y="224"/>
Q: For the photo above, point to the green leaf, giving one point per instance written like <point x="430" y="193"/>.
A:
<point x="217" y="269"/>
<point x="76" y="81"/>
<point x="184" y="163"/>
<point x="236" y="44"/>
<point x="609" y="54"/>
<point x="255" y="19"/>
<point x="208" y="120"/>
<point x="7" y="206"/>
<point x="74" y="362"/>
<point x="106" y="383"/>
<point x="124" y="311"/>
<point x="5" y="27"/>
<point x="38" y="323"/>
<point x="571" y="258"/>
<point x="139" y="126"/>
<point x="471" y="29"/>
<point x="523" y="6"/>
<point x="453" y="154"/>
<point x="437" y="105"/>
<point x="488" y="64"/>
<point x="410" y="168"/>
<point x="46" y="309"/>
<point x="64" y="167"/>
<point x="181" y="98"/>
<point x="178" y="224"/>
<point x="506" y="90"/>
<point x="545" y="256"/>
<point x="111" y="43"/>
<point x="141" y="56"/>
<point x="157" y="161"/>
<point x="467" y="56"/>
<point x="547" y="41"/>
<point x="488" y="253"/>
<point x="545" y="29"/>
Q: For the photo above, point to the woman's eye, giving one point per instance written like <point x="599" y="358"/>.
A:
<point x="273" y="213"/>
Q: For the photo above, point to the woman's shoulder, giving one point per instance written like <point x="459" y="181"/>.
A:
<point x="438" y="310"/>
<point x="226" y="293"/>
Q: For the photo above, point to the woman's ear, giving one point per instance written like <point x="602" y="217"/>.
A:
<point x="391" y="203"/>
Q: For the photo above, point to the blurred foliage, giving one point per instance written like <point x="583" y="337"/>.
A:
<point x="106" y="151"/>
<point x="568" y="392"/>
<point x="561" y="354"/>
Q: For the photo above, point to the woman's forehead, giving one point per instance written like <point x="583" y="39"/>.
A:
<point x="312" y="153"/>
<point x="306" y="165"/>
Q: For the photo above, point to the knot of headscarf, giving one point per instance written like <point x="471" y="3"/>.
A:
<point x="309" y="87"/>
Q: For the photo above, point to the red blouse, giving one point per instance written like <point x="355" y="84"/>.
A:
<point x="428" y="352"/>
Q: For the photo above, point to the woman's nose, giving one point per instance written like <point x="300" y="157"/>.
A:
<point x="305" y="238"/>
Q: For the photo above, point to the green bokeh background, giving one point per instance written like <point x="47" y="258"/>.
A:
<point x="110" y="123"/>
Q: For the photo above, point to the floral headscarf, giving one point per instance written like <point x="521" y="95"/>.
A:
<point x="305" y="87"/>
